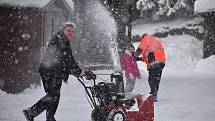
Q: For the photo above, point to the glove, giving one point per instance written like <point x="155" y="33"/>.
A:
<point x="137" y="52"/>
<point x="82" y="73"/>
<point x="90" y="75"/>
<point x="138" y="58"/>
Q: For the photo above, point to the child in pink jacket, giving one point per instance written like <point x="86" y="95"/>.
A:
<point x="132" y="72"/>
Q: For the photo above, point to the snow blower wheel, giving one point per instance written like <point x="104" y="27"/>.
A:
<point x="116" y="115"/>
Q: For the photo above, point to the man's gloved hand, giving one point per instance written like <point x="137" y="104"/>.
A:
<point x="83" y="73"/>
<point x="90" y="75"/>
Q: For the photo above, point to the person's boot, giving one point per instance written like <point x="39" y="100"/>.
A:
<point x="50" y="119"/>
<point x="50" y="116"/>
<point x="155" y="98"/>
<point x="28" y="115"/>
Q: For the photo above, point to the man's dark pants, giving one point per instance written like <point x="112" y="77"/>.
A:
<point x="52" y="87"/>
<point x="155" y="77"/>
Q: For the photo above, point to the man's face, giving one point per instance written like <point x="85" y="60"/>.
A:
<point x="68" y="31"/>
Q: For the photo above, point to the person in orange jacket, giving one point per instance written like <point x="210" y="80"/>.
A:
<point x="153" y="55"/>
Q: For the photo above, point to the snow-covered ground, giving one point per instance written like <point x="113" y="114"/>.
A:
<point x="186" y="89"/>
<point x="182" y="97"/>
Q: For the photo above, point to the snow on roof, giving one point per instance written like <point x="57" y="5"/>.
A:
<point x="202" y="6"/>
<point x="71" y="4"/>
<point x="34" y="3"/>
<point x="25" y="3"/>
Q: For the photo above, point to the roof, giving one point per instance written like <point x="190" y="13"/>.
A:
<point x="69" y="4"/>
<point x="35" y="3"/>
<point x="25" y="3"/>
<point x="202" y="6"/>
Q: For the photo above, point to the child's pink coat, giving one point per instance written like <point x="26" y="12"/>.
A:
<point x="130" y="66"/>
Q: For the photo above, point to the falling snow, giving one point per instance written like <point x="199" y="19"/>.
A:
<point x="187" y="85"/>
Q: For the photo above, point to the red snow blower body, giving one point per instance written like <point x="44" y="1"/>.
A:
<point x="109" y="103"/>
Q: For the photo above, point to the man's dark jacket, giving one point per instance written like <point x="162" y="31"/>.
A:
<point x="58" y="60"/>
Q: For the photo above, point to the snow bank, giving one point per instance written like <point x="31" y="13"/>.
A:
<point x="202" y="6"/>
<point x="182" y="52"/>
<point x="206" y="65"/>
<point x="11" y="105"/>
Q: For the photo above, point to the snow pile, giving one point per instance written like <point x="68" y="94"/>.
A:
<point x="206" y="65"/>
<point x="11" y="105"/>
<point x="182" y="52"/>
<point x="202" y="6"/>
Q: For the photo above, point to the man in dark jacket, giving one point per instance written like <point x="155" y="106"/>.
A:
<point x="56" y="65"/>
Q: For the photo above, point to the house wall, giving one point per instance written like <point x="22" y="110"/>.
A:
<point x="209" y="33"/>
<point x="19" y="49"/>
<point x="206" y="8"/>
<point x="24" y="34"/>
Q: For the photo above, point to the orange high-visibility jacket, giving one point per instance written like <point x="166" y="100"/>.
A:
<point x="151" y="44"/>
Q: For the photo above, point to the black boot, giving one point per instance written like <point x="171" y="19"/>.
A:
<point x="155" y="98"/>
<point x="50" y="119"/>
<point x="28" y="115"/>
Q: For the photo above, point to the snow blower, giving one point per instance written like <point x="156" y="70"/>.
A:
<point x="109" y="103"/>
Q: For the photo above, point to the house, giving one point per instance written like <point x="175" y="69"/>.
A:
<point x="26" y="26"/>
<point x="206" y="8"/>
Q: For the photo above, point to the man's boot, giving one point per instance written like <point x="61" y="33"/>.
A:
<point x="50" y="116"/>
<point x="28" y="115"/>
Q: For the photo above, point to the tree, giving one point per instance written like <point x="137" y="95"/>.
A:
<point x="123" y="12"/>
<point x="162" y="7"/>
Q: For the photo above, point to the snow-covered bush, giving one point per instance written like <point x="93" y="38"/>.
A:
<point x="161" y="7"/>
<point x="144" y="5"/>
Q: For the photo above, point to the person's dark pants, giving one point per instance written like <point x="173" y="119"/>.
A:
<point x="154" y="78"/>
<point x="50" y="101"/>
